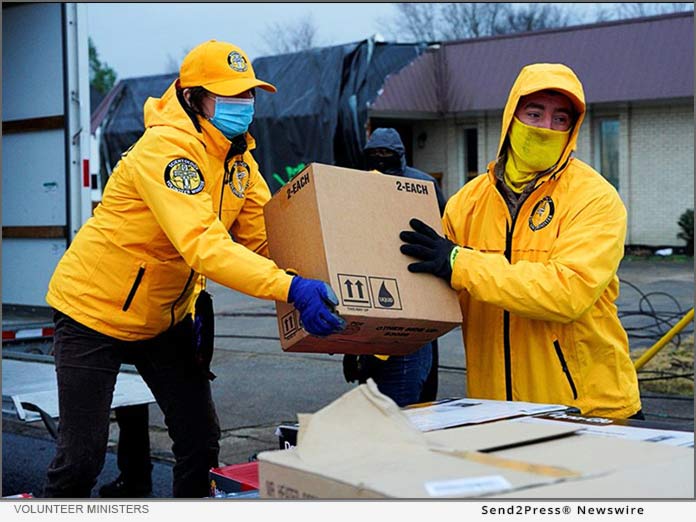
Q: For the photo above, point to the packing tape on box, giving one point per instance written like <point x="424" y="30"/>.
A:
<point x="515" y="465"/>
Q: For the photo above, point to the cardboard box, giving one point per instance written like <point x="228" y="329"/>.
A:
<point x="382" y="455"/>
<point x="610" y="468"/>
<point x="629" y="429"/>
<point x="605" y="467"/>
<point x="342" y="226"/>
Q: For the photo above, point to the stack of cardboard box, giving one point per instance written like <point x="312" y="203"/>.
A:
<point x="381" y="454"/>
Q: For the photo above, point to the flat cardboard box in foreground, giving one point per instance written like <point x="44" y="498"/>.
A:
<point x="380" y="454"/>
<point x="342" y="226"/>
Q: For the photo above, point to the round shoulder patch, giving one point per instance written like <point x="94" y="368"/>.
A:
<point x="542" y="213"/>
<point x="183" y="175"/>
<point x="239" y="181"/>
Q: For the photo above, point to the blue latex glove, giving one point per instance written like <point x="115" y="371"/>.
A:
<point x="315" y="300"/>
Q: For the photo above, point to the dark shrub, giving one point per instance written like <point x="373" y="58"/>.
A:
<point x="686" y="223"/>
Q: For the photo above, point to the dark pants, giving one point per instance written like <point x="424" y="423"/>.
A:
<point x="133" y="454"/>
<point x="400" y="377"/>
<point x="429" y="391"/>
<point x="639" y="415"/>
<point x="87" y="364"/>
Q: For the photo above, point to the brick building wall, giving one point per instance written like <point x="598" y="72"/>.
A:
<point x="659" y="171"/>
<point x="656" y="160"/>
<point x="432" y="157"/>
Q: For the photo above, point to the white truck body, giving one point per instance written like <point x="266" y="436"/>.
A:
<point x="47" y="192"/>
<point x="46" y="181"/>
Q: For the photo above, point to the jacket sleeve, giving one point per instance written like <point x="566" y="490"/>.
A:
<point x="582" y="262"/>
<point x="249" y="229"/>
<point x="194" y="229"/>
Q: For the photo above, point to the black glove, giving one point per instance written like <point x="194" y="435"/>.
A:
<point x="204" y="333"/>
<point x="429" y="246"/>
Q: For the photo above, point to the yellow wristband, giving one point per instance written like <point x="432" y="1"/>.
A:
<point x="453" y="256"/>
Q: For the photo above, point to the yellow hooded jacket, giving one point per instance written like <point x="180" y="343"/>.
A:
<point x="538" y="292"/>
<point x="130" y="273"/>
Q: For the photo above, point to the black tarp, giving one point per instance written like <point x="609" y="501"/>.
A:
<point x="123" y="123"/>
<point x="320" y="110"/>
<point x="318" y="114"/>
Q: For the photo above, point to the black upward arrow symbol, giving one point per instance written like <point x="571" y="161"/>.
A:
<point x="349" y="287"/>
<point x="360" y="288"/>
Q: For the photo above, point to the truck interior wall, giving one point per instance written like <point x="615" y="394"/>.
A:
<point x="34" y="158"/>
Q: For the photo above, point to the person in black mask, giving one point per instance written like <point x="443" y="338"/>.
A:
<point x="385" y="153"/>
<point x="412" y="378"/>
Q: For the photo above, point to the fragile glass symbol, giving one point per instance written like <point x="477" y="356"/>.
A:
<point x="384" y="297"/>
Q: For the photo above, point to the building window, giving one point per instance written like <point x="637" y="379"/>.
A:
<point x="470" y="150"/>
<point x="607" y="159"/>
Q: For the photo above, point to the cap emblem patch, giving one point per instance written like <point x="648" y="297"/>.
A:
<point x="237" y="62"/>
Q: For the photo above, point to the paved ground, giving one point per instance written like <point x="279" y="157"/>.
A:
<point x="27" y="454"/>
<point x="259" y="387"/>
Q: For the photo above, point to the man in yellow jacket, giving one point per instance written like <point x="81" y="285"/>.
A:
<point x="185" y="202"/>
<point x="533" y="247"/>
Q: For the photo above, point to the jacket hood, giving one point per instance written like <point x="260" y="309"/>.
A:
<point x="387" y="138"/>
<point x="539" y="77"/>
<point x="167" y="111"/>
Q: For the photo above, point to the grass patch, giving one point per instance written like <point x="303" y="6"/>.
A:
<point x="670" y="371"/>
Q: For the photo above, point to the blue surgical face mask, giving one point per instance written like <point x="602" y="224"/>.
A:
<point x="233" y="115"/>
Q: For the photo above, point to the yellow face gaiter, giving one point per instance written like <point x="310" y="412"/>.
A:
<point x="532" y="150"/>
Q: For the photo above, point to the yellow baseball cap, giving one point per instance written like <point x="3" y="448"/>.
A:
<point x="221" y="68"/>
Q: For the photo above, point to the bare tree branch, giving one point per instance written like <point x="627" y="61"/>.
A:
<point x="442" y="21"/>
<point x="518" y="18"/>
<point x="459" y="20"/>
<point x="282" y="38"/>
<point x="416" y="22"/>
<point x="470" y="20"/>
<point x="618" y="11"/>
<point x="173" y="62"/>
<point x="640" y="9"/>
<point x="172" y="65"/>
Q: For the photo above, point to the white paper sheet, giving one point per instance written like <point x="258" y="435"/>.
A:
<point x="459" y="412"/>
<point x="671" y="437"/>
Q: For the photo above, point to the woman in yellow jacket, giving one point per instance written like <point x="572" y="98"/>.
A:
<point x="533" y="248"/>
<point x="185" y="202"/>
